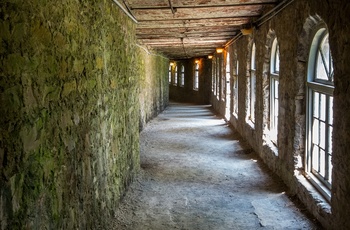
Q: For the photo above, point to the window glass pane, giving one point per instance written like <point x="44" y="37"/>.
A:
<point x="330" y="131"/>
<point x="315" y="157"/>
<point x="326" y="52"/>
<point x="277" y="61"/>
<point x="322" y="163"/>
<point x="330" y="168"/>
<point x="276" y="88"/>
<point x="322" y="135"/>
<point x="315" y="128"/>
<point x="323" y="107"/>
<point x="316" y="104"/>
<point x="324" y="67"/>
<point x="330" y="121"/>
<point x="253" y="66"/>
<point x="320" y="67"/>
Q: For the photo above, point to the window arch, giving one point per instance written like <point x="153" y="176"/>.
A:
<point x="274" y="85"/>
<point x="319" y="122"/>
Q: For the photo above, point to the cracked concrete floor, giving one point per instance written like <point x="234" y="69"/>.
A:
<point x="197" y="173"/>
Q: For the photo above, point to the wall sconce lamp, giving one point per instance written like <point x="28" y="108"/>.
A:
<point x="196" y="61"/>
<point x="247" y="31"/>
<point x="172" y="64"/>
<point x="219" y="50"/>
<point x="210" y="56"/>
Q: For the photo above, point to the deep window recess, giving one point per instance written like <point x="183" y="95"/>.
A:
<point x="320" y="113"/>
<point x="182" y="79"/>
<point x="196" y="77"/>
<point x="252" y="85"/>
<point x="274" y="75"/>
<point x="176" y="76"/>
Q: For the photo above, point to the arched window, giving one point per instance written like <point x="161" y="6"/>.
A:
<point x="252" y="84"/>
<point x="214" y="76"/>
<point x="182" y="79"/>
<point x="235" y="89"/>
<point x="320" y="112"/>
<point x="196" y="77"/>
<point x="228" y="86"/>
<point x="170" y="73"/>
<point x="274" y="75"/>
<point x="176" y="76"/>
<point x="218" y="74"/>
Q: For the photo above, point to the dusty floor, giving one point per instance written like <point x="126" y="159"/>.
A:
<point x="197" y="173"/>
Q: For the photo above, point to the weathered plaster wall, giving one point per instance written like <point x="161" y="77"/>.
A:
<point x="294" y="28"/>
<point x="71" y="79"/>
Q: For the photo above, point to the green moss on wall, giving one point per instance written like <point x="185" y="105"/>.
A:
<point x="71" y="80"/>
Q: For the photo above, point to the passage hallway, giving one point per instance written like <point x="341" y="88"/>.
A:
<point x="197" y="173"/>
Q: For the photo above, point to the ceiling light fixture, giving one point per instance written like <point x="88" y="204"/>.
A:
<point x="219" y="50"/>
<point x="247" y="31"/>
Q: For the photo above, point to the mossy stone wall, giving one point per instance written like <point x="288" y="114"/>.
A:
<point x="70" y="79"/>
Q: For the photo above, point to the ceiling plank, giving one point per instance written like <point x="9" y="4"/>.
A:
<point x="193" y="23"/>
<point x="195" y="13"/>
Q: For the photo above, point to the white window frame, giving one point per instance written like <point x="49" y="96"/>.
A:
<point x="319" y="122"/>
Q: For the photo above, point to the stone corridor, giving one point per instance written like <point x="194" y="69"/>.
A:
<point x="197" y="173"/>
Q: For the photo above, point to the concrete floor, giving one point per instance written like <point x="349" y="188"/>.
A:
<point x="197" y="173"/>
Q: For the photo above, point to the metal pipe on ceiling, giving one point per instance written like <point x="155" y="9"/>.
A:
<point x="173" y="10"/>
<point x="269" y="15"/>
<point x="125" y="11"/>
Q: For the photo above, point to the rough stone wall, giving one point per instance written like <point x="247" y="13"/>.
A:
<point x="338" y="20"/>
<point x="70" y="78"/>
<point x="154" y="86"/>
<point x="294" y="31"/>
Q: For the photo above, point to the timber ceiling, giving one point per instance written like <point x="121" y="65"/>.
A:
<point x="182" y="29"/>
